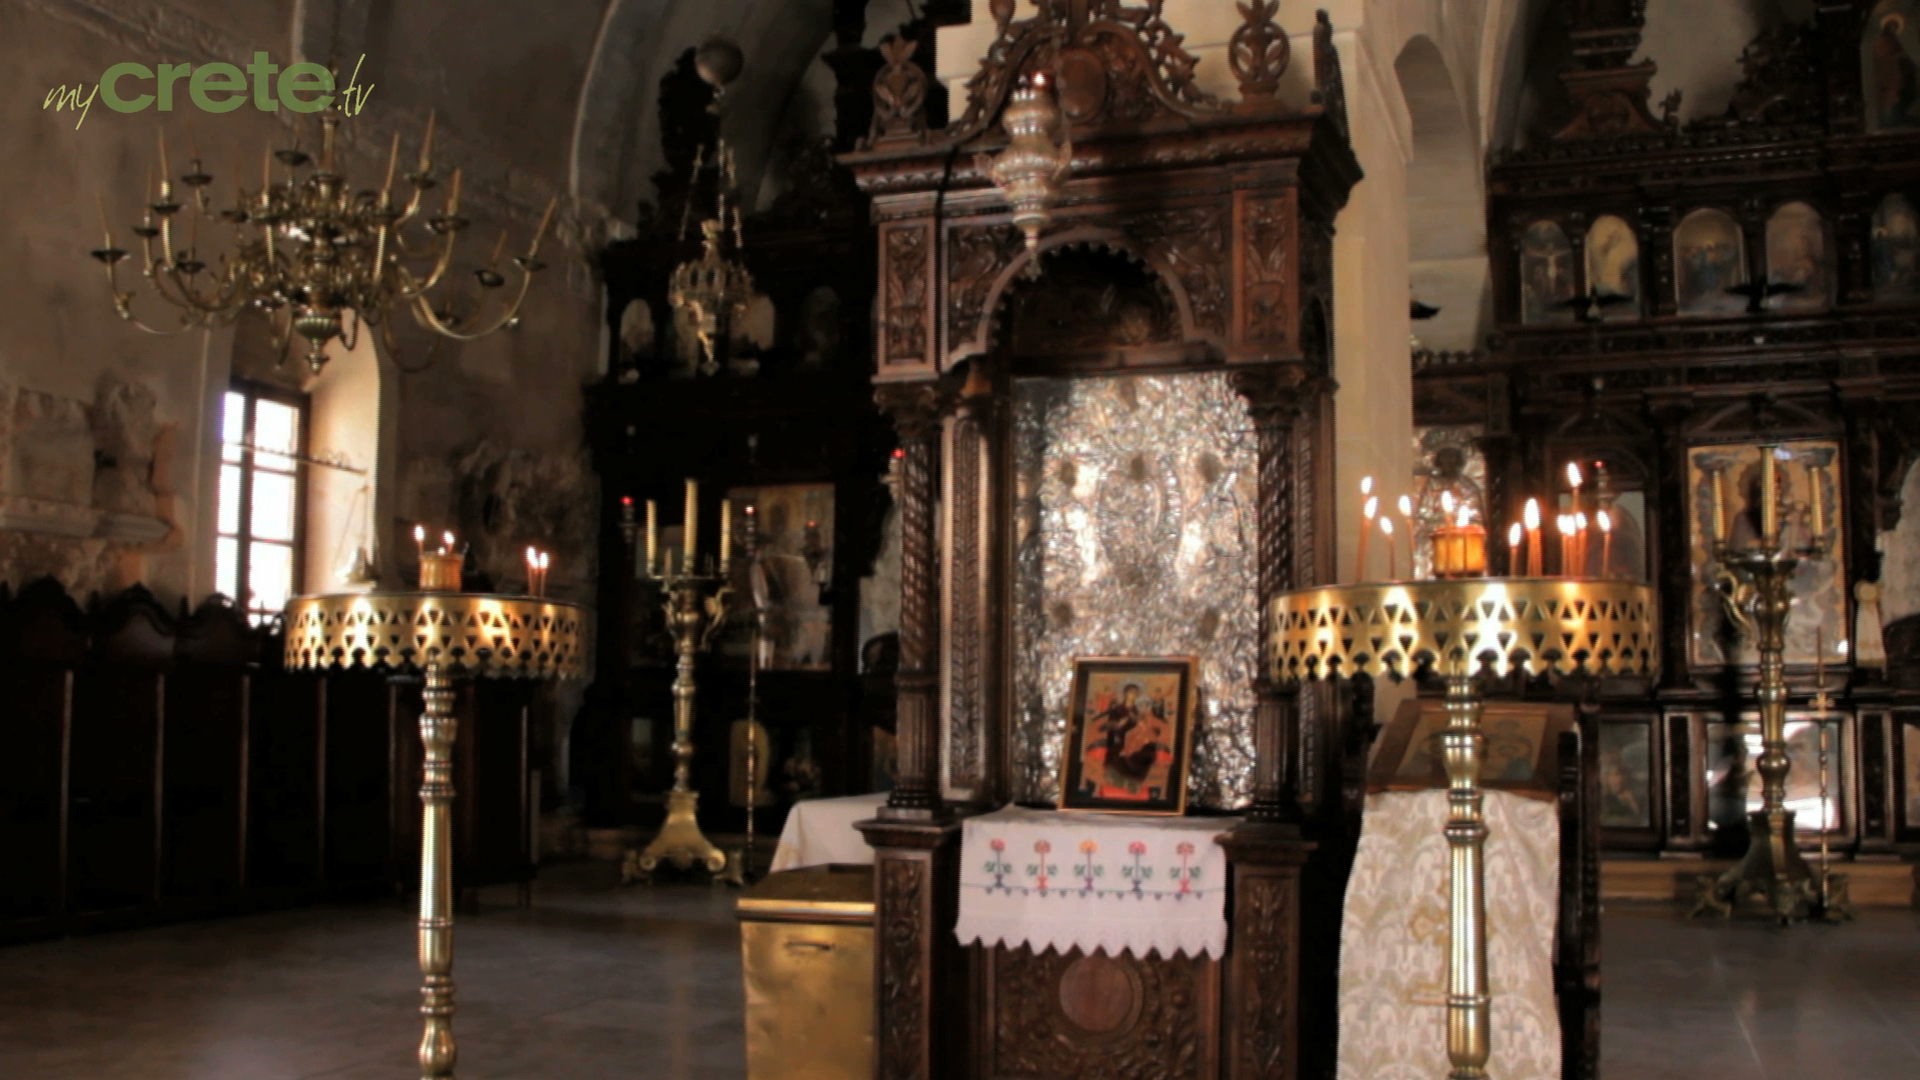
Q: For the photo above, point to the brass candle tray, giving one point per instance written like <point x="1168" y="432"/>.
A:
<point x="471" y="633"/>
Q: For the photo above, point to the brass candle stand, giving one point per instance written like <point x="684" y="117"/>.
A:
<point x="1463" y="628"/>
<point x="1755" y="588"/>
<point x="444" y="635"/>
<point x="695" y="610"/>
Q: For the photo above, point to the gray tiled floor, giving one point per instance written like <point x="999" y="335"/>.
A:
<point x="596" y="982"/>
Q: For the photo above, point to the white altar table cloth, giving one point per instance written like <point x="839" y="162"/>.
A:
<point x="1061" y="880"/>
<point x="820" y="831"/>
<point x="1393" y="940"/>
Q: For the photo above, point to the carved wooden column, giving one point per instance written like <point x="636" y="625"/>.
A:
<point x="1277" y="404"/>
<point x="915" y="840"/>
<point x="973" y="736"/>
<point x="917" y="409"/>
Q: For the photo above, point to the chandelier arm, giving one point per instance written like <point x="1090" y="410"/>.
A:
<point x="424" y="314"/>
<point x="123" y="306"/>
<point x="185" y="295"/>
<point x="422" y="286"/>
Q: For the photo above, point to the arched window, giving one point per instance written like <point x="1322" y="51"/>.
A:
<point x="1546" y="275"/>
<point x="1896" y="250"/>
<point x="1709" y="258"/>
<point x="1613" y="269"/>
<point x="1797" y="256"/>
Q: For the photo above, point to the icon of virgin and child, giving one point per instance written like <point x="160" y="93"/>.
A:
<point x="1128" y="747"/>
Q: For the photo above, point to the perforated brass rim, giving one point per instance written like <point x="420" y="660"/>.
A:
<point x="473" y="633"/>
<point x="1466" y="627"/>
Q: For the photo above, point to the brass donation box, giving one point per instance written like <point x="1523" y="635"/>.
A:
<point x="806" y="946"/>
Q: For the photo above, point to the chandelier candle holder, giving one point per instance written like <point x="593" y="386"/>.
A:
<point x="444" y="635"/>
<point x="696" y="608"/>
<point x="319" y="258"/>
<point x="1460" y="549"/>
<point x="441" y="569"/>
<point x="1033" y="168"/>
<point x="1464" y="628"/>
<point x="1755" y="585"/>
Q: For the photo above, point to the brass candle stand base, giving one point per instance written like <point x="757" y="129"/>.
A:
<point x="1755" y="589"/>
<point x="444" y="635"/>
<point x="1464" y="627"/>
<point x="694" y="617"/>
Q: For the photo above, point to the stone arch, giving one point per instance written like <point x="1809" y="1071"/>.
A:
<point x="1087" y="236"/>
<point x="1447" y="233"/>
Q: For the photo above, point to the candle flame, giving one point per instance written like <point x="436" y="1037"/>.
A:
<point x="447" y="539"/>
<point x="530" y="557"/>
<point x="419" y="533"/>
<point x="1386" y="525"/>
<point x="545" y="558"/>
<point x="1465" y="517"/>
<point x="1580" y="520"/>
<point x="1533" y="514"/>
<point x="1446" y="501"/>
<point x="1513" y="535"/>
<point x="1566" y="524"/>
<point x="1366" y="485"/>
<point x="1573" y="474"/>
<point x="1406" y="506"/>
<point x="1605" y="521"/>
<point x="1372" y="507"/>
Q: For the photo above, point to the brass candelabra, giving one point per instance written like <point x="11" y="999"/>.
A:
<point x="1755" y="586"/>
<point x="696" y="608"/>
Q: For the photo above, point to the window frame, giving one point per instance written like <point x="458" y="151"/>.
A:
<point x="255" y="391"/>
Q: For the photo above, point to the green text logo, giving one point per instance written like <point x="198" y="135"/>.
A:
<point x="216" y="88"/>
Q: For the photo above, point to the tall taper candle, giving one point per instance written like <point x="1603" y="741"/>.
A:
<point x="653" y="538"/>
<point x="1719" y="476"/>
<point x="1386" y="526"/>
<point x="1606" y="543"/>
<point x="726" y="533"/>
<point x="1514" y="536"/>
<point x="1566" y="545"/>
<point x="689" y="543"/>
<point x="1533" y="537"/>
<point x="1769" y="497"/>
<point x="1366" y="529"/>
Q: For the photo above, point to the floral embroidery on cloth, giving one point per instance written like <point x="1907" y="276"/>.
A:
<point x="1115" y="883"/>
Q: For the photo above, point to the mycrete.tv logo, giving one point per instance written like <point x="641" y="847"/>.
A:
<point x="217" y="88"/>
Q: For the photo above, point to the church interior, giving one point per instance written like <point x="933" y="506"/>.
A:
<point x="961" y="540"/>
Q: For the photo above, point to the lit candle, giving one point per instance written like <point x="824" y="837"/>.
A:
<point x="1406" y="511"/>
<point x="1816" y="494"/>
<point x="1514" y="536"/>
<point x="1769" y="497"/>
<point x="1368" y="504"/>
<point x="546" y="559"/>
<point x="726" y="532"/>
<point x="446" y="543"/>
<point x="1566" y="545"/>
<point x="1533" y="537"/>
<point x="1574" y="480"/>
<point x="533" y="573"/>
<point x="1606" y="543"/>
<point x="1386" y="526"/>
<point x="420" y="539"/>
<point x="653" y="536"/>
<point x="1447" y="504"/>
<point x="1580" y="542"/>
<point x="688" y="540"/>
<point x="1367" y="511"/>
<point x="1719" y="476"/>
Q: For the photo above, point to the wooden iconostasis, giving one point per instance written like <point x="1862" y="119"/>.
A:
<point x="1667" y="298"/>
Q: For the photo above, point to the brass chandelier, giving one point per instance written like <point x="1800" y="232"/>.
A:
<point x="714" y="290"/>
<point x="318" y="258"/>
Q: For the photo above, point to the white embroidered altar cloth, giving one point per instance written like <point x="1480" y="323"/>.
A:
<point x="1062" y="880"/>
<point x="1393" y="940"/>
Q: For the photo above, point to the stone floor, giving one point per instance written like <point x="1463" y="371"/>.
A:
<point x="597" y="982"/>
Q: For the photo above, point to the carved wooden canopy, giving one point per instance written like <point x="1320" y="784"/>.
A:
<point x="1229" y="203"/>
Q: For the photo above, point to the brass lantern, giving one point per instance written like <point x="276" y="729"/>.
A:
<point x="1038" y="157"/>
